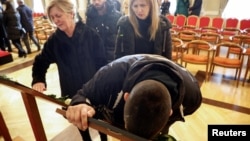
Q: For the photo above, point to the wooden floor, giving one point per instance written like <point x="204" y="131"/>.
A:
<point x="223" y="103"/>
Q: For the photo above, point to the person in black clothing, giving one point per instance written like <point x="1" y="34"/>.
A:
<point x="196" y="8"/>
<point x="4" y="41"/>
<point x="77" y="50"/>
<point x="27" y="23"/>
<point x="143" y="93"/>
<point x="165" y="7"/>
<point x="13" y="26"/>
<point x="144" y="30"/>
<point x="117" y="5"/>
<point x="103" y="16"/>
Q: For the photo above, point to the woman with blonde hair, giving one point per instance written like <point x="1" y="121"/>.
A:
<point x="143" y="30"/>
<point x="75" y="48"/>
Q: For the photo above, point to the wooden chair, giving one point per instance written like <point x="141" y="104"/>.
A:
<point x="231" y="23"/>
<point x="187" y="35"/>
<point x="217" y="22"/>
<point x="242" y="39"/>
<point x="209" y="29"/>
<point x="211" y="37"/>
<point x="40" y="34"/>
<point x="191" y="22"/>
<point x="197" y="52"/>
<point x="244" y="23"/>
<point x="247" y="54"/>
<point x="204" y="21"/>
<point x="223" y="57"/>
<point x="180" y="21"/>
<point x="228" y="32"/>
<point x="176" y="49"/>
<point x="171" y="18"/>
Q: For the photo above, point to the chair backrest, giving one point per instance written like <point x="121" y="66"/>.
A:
<point x="217" y="22"/>
<point x="224" y="49"/>
<point x="187" y="35"/>
<point x="171" y="18"/>
<point x="204" y="21"/>
<point x="231" y="23"/>
<point x="180" y="20"/>
<point x="241" y="39"/>
<point x="211" y="37"/>
<point x="192" y="20"/>
<point x="244" y="24"/>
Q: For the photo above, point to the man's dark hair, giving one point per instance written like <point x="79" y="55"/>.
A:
<point x="147" y="109"/>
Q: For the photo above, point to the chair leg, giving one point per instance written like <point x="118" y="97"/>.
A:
<point x="245" y="77"/>
<point x="238" y="79"/>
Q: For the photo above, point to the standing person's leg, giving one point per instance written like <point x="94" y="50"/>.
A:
<point x="7" y="43"/>
<point x="18" y="45"/>
<point x="2" y="46"/>
<point x="35" y="41"/>
<point x="26" y="42"/>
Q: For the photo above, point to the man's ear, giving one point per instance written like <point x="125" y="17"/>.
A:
<point x="171" y="112"/>
<point x="125" y="96"/>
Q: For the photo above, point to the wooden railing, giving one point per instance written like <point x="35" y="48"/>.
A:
<point x="29" y="98"/>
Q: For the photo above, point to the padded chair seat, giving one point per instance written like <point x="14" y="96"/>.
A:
<point x="5" y="57"/>
<point x="228" y="62"/>
<point x="197" y="58"/>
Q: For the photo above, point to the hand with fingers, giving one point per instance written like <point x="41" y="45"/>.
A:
<point x="78" y="115"/>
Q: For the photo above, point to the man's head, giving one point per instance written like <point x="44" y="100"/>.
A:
<point x="99" y="4"/>
<point x="20" y="2"/>
<point x="147" y="108"/>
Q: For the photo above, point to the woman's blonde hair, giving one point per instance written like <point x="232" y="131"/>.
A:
<point x="67" y="6"/>
<point x="153" y="14"/>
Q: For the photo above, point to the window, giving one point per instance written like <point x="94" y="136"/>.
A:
<point x="237" y="9"/>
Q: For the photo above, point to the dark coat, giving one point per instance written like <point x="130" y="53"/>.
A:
<point x="13" y="24"/>
<point x="165" y="8"/>
<point x="3" y="33"/>
<point x="125" y="41"/>
<point x="196" y="8"/>
<point x="77" y="58"/>
<point x="107" y="87"/>
<point x="105" y="25"/>
<point x="26" y="17"/>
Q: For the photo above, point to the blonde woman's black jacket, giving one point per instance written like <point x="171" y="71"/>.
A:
<point x="77" y="58"/>
<point x="125" y="40"/>
<point x="105" y="90"/>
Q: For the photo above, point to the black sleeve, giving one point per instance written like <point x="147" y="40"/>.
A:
<point x="104" y="87"/>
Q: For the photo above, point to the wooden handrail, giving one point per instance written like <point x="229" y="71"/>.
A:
<point x="108" y="129"/>
<point x="29" y="98"/>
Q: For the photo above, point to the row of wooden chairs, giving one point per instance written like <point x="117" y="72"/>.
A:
<point x="43" y="29"/>
<point x="180" y="22"/>
<point x="221" y="54"/>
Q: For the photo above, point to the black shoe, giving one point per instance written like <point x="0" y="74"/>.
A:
<point x="23" y="54"/>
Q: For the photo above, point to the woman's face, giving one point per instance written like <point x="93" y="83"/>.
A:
<point x="141" y="9"/>
<point x="62" y="20"/>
